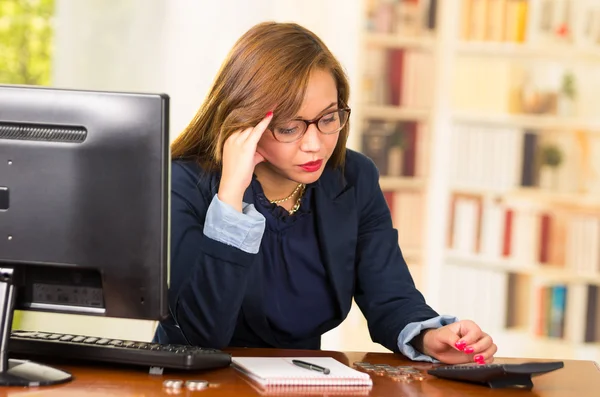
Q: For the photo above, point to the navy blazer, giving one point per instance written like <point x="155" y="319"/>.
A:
<point x="215" y="289"/>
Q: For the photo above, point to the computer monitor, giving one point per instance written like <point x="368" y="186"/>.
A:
<point x="84" y="187"/>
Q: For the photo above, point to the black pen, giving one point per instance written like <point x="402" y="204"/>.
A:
<point x="310" y="366"/>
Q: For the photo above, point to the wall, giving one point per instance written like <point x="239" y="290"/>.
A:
<point x="177" y="46"/>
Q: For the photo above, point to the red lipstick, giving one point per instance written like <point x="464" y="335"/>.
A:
<point x="312" y="166"/>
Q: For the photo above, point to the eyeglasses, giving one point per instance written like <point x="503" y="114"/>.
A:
<point x="293" y="130"/>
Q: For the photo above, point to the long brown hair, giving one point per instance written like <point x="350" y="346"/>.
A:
<point x="268" y="68"/>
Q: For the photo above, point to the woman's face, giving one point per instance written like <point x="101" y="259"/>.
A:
<point x="304" y="160"/>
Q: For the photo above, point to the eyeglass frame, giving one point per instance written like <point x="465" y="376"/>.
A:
<point x="315" y="121"/>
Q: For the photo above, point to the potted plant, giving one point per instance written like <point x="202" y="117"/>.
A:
<point x="396" y="152"/>
<point x="551" y="157"/>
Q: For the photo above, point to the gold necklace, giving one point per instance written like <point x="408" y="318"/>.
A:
<point x="297" y="205"/>
<point x="288" y="197"/>
<point x="298" y="200"/>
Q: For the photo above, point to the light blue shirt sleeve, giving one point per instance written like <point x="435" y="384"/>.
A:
<point x="413" y="329"/>
<point x="243" y="230"/>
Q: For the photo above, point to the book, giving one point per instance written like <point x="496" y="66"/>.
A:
<point x="281" y="371"/>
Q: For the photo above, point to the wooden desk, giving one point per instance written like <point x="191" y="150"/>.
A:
<point x="577" y="378"/>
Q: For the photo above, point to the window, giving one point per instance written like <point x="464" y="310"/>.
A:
<point x="26" y="41"/>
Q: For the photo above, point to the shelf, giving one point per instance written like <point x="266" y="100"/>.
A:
<point x="548" y="272"/>
<point x="478" y="191"/>
<point x="528" y="121"/>
<point x="558" y="52"/>
<point x="398" y="183"/>
<point x="555" y="199"/>
<point x="534" y="196"/>
<point x="394" y="113"/>
<point x="393" y="41"/>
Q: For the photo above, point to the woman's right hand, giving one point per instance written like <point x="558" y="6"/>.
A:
<point x="239" y="159"/>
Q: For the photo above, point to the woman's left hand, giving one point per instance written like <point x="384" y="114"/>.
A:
<point x="458" y="343"/>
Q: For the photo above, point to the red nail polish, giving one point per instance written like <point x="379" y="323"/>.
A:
<point x="479" y="359"/>
<point x="460" y="345"/>
<point x="469" y="350"/>
<point x="269" y="114"/>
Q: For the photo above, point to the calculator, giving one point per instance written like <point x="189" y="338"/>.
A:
<point x="496" y="375"/>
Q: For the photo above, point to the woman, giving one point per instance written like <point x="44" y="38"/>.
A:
<point x="276" y="226"/>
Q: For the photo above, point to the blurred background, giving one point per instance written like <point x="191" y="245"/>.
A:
<point x="481" y="116"/>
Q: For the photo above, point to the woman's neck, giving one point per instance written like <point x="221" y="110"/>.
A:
<point x="275" y="186"/>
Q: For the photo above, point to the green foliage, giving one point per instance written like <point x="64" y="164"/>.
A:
<point x="26" y="41"/>
<point x="551" y="155"/>
<point x="568" y="85"/>
<point x="397" y="138"/>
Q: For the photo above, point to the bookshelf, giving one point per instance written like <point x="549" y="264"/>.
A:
<point x="510" y="229"/>
<point x="537" y="122"/>
<point x="393" y="108"/>
<point x="391" y="40"/>
<point x="559" y="52"/>
<point x="524" y="192"/>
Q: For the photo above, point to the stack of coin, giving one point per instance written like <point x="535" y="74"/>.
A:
<point x="407" y="374"/>
<point x="367" y="367"/>
<point x="196" y="384"/>
<point x="402" y="373"/>
<point x="174" y="386"/>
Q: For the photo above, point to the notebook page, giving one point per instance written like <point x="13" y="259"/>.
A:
<point x="281" y="371"/>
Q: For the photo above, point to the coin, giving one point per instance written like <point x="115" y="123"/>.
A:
<point x="400" y="378"/>
<point x="196" y="384"/>
<point x="173" y="383"/>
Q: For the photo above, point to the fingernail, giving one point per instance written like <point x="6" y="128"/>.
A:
<point x="460" y="345"/>
<point x="479" y="359"/>
<point x="469" y="350"/>
<point x="269" y="114"/>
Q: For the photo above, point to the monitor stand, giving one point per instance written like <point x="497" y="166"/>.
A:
<point x="20" y="372"/>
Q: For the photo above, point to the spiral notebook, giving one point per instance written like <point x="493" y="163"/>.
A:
<point x="280" y="371"/>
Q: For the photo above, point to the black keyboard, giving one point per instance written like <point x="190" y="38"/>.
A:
<point x="497" y="375"/>
<point x="33" y="343"/>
